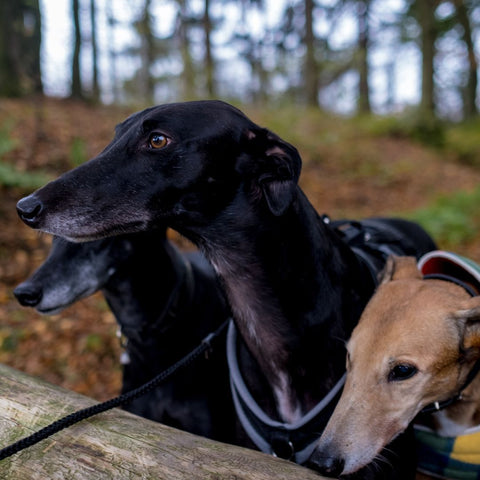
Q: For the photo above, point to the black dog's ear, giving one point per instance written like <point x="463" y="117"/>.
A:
<point x="273" y="167"/>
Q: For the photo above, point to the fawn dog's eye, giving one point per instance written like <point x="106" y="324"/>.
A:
<point x="402" y="371"/>
<point x="157" y="140"/>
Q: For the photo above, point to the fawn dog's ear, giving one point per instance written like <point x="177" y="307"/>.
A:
<point x="271" y="167"/>
<point x="469" y="318"/>
<point x="397" y="268"/>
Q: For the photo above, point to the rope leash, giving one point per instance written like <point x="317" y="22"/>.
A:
<point x="88" y="412"/>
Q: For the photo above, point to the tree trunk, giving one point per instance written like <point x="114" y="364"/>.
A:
<point x="76" y="87"/>
<point x="428" y="38"/>
<point x="95" y="85"/>
<point x="363" y="46"/>
<point x="111" y="51"/>
<point x="20" y="40"/>
<point x="116" y="444"/>
<point x="188" y="75"/>
<point x="147" y="54"/>
<point x="209" y="65"/>
<point x="311" y="76"/>
<point x="470" y="97"/>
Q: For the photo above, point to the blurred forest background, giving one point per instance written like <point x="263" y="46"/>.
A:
<point x="379" y="96"/>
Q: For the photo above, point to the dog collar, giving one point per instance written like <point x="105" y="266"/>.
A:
<point x="291" y="441"/>
<point x="450" y="267"/>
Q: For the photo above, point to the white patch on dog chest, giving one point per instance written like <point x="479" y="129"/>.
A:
<point x="250" y="306"/>
<point x="446" y="427"/>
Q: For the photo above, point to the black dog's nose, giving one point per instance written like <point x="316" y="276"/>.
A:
<point x="28" y="295"/>
<point x="29" y="209"/>
<point x="326" y="465"/>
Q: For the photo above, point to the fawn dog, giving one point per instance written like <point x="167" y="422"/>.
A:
<point x="417" y="345"/>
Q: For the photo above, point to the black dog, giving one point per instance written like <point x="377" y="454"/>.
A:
<point x="165" y="303"/>
<point x="295" y="287"/>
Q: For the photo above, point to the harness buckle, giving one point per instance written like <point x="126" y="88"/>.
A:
<point x="282" y="447"/>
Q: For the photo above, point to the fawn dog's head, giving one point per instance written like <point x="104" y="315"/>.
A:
<point x="415" y="344"/>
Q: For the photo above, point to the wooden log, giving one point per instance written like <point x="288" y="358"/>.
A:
<point x="115" y="444"/>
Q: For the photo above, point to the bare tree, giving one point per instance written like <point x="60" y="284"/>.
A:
<point x="76" y="86"/>
<point x="182" y="30"/>
<point x="311" y="72"/>
<point x="147" y="53"/>
<point x="209" y="61"/>
<point x="363" y="48"/>
<point x="20" y="39"/>
<point x="95" y="84"/>
<point x="426" y="18"/>
<point x="470" y="95"/>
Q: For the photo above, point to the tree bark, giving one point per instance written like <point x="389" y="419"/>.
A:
<point x="147" y="54"/>
<point x="311" y="75"/>
<point x="95" y="84"/>
<point x="209" y="63"/>
<point x="188" y="76"/>
<point x="469" y="103"/>
<point x="428" y="38"/>
<point x="363" y="67"/>
<point x="76" y="87"/>
<point x="20" y="40"/>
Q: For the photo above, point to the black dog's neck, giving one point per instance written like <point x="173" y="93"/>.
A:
<point x="143" y="293"/>
<point x="296" y="292"/>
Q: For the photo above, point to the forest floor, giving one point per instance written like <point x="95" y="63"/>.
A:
<point x="346" y="173"/>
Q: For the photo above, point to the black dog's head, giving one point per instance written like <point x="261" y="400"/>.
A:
<point x="74" y="271"/>
<point x="182" y="163"/>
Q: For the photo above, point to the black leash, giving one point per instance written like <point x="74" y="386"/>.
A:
<point x="88" y="412"/>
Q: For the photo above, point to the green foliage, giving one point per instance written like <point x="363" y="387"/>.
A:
<point x="464" y="142"/>
<point x="451" y="219"/>
<point x="10" y="339"/>
<point x="9" y="175"/>
<point x="7" y="144"/>
<point x="410" y="125"/>
<point x="93" y="342"/>
<point x="78" y="152"/>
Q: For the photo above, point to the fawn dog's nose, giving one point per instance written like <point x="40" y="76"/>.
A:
<point x="326" y="465"/>
<point x="29" y="209"/>
<point x="28" y="295"/>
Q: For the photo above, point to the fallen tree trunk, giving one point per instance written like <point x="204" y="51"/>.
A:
<point x="115" y="444"/>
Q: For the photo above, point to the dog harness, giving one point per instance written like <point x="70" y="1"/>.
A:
<point x="372" y="240"/>
<point x="291" y="441"/>
<point x="450" y="457"/>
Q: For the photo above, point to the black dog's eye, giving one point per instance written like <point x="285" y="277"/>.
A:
<point x="157" y="140"/>
<point x="401" y="372"/>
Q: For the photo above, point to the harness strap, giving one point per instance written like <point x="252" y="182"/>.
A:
<point x="372" y="241"/>
<point x="292" y="441"/>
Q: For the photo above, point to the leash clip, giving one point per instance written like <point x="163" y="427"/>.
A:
<point x="207" y="341"/>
